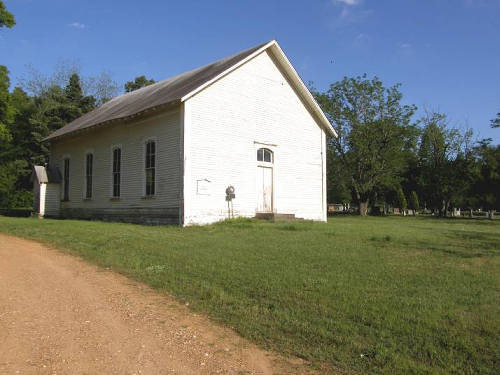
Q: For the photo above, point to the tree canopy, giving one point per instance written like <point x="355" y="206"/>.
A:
<point x="24" y="122"/>
<point x="375" y="134"/>
<point x="138" y="83"/>
<point x="6" y="18"/>
<point x="495" y="123"/>
<point x="382" y="154"/>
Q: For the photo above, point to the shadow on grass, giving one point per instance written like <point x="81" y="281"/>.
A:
<point x="463" y="220"/>
<point x="464" y="244"/>
<point x="478" y="243"/>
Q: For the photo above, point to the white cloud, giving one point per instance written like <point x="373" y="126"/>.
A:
<point x="406" y="45"/>
<point x="347" y="2"/>
<point x="348" y="14"/>
<point x="78" y="25"/>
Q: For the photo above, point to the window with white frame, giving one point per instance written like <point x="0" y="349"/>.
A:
<point x="117" y="161"/>
<point x="264" y="154"/>
<point x="150" y="167"/>
<point x="89" y="161"/>
<point x="66" y="180"/>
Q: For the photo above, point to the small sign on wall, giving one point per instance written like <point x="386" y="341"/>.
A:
<point x="203" y="187"/>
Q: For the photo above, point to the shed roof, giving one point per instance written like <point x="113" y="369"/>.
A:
<point x="180" y="88"/>
<point x="46" y="174"/>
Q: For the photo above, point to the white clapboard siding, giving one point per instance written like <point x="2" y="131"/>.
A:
<point x="131" y="137"/>
<point x="254" y="106"/>
<point x="52" y="200"/>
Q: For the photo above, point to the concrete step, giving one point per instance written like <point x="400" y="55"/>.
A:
<point x="273" y="216"/>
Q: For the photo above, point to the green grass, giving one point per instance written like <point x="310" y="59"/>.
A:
<point x="363" y="295"/>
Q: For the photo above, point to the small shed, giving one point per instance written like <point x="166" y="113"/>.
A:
<point x="46" y="191"/>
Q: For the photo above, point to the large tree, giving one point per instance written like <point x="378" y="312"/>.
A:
<point x="375" y="134"/>
<point x="138" y="83"/>
<point x="6" y="18"/>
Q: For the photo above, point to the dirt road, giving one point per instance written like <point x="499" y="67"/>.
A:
<point x="61" y="315"/>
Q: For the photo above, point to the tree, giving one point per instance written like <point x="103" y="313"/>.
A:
<point x="486" y="187"/>
<point x="100" y="87"/>
<point x="445" y="163"/>
<point x="374" y="130"/>
<point x="338" y="187"/>
<point x="6" y="111"/>
<point x="6" y="18"/>
<point x="414" y="203"/>
<point x="30" y="120"/>
<point x="402" y="202"/>
<point x="495" y="123"/>
<point x="138" y="83"/>
<point x="10" y="196"/>
<point x="74" y="95"/>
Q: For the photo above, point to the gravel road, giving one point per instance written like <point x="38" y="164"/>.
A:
<point x="61" y="315"/>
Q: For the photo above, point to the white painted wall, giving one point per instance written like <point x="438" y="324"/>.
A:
<point x="41" y="208"/>
<point x="131" y="137"/>
<point x="224" y="125"/>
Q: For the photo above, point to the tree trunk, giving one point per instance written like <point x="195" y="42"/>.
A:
<point x="363" y="208"/>
<point x="443" y="211"/>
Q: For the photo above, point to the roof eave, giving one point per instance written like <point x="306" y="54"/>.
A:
<point x="146" y="112"/>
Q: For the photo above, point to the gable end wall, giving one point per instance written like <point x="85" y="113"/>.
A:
<point x="253" y="106"/>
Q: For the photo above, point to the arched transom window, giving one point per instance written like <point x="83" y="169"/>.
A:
<point x="264" y="154"/>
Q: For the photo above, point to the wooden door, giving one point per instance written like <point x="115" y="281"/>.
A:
<point x="264" y="189"/>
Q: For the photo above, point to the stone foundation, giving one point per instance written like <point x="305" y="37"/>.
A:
<point x="148" y="216"/>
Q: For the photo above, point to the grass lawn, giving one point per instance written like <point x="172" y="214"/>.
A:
<point x="363" y="295"/>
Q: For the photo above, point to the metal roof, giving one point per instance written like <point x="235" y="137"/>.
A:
<point x="46" y="174"/>
<point x="156" y="95"/>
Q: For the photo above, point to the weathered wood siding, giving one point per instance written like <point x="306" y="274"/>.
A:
<point x="131" y="137"/>
<point x="52" y="200"/>
<point x="224" y="125"/>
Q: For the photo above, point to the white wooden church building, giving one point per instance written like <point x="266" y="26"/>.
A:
<point x="242" y="136"/>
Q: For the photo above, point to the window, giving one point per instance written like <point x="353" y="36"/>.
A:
<point x="66" y="180"/>
<point x="117" y="161"/>
<point x="264" y="154"/>
<point x="150" y="167"/>
<point x="88" y="176"/>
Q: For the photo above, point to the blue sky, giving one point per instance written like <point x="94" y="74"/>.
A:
<point x="446" y="53"/>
